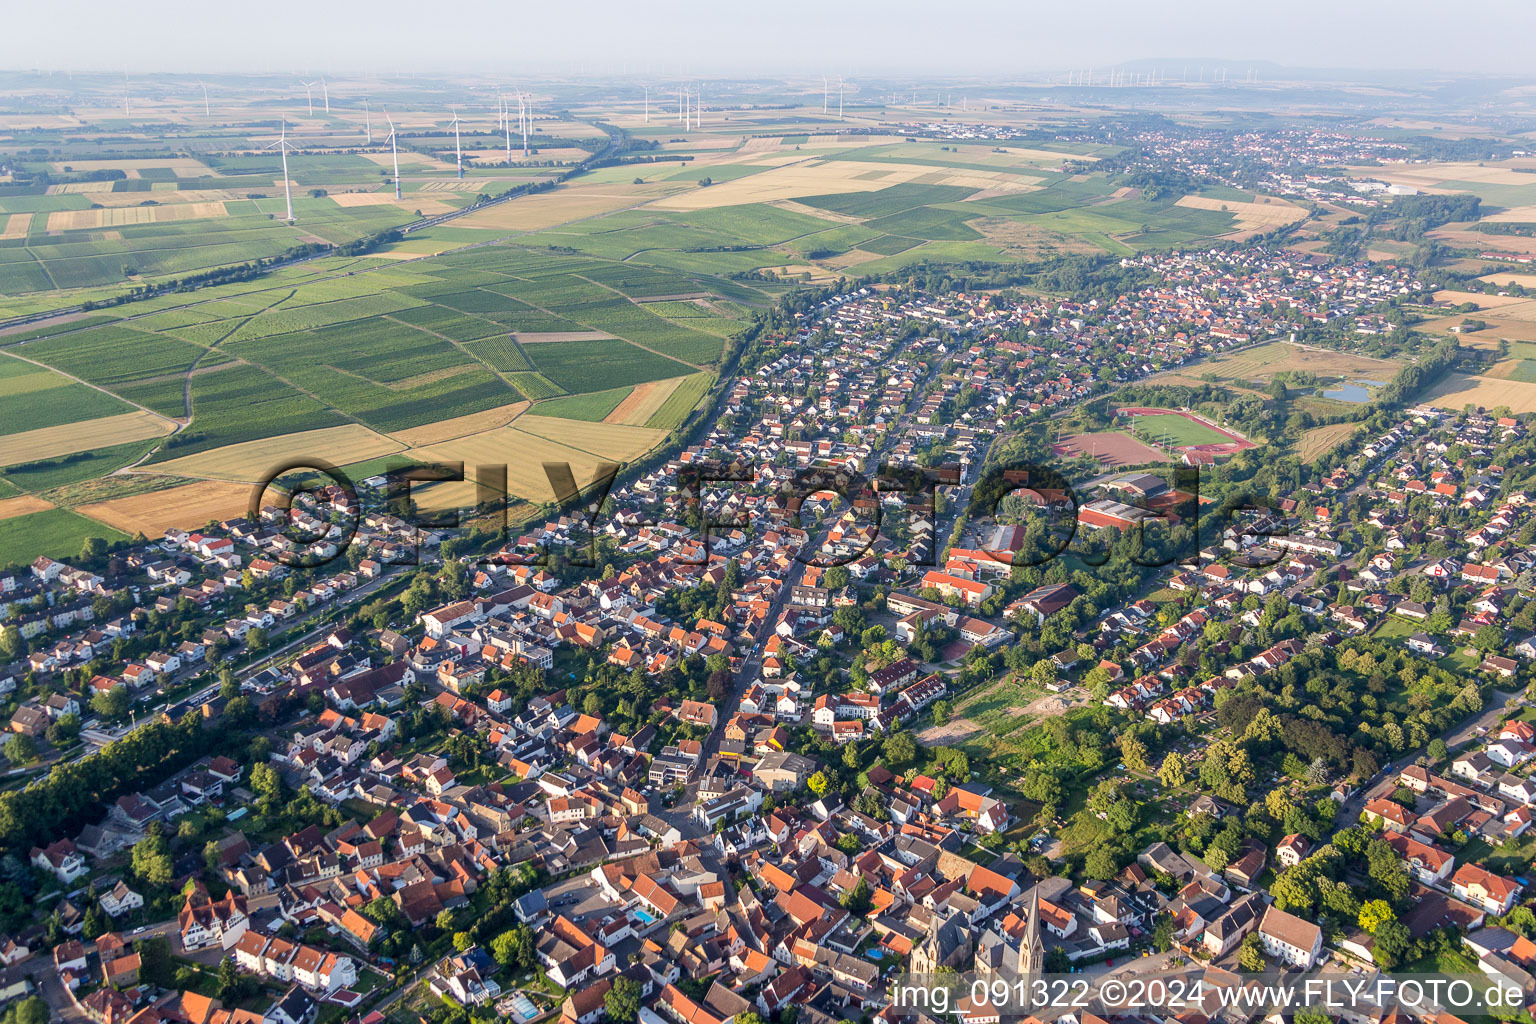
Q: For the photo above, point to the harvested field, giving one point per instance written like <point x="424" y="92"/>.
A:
<point x="561" y="206"/>
<point x="410" y="201"/>
<point x="606" y="440"/>
<point x="460" y="426"/>
<point x="522" y="453"/>
<point x="187" y="506"/>
<point x="1320" y="441"/>
<point x="1262" y="214"/>
<point x="10" y="508"/>
<point x="1507" y="278"/>
<point x="1110" y="448"/>
<point x="1455" y="390"/>
<point x="16" y="225"/>
<point x="51" y="442"/>
<point x="809" y="177"/>
<point x="122" y="216"/>
<point x="248" y="461"/>
<point x="643" y="402"/>
<point x="1478" y="299"/>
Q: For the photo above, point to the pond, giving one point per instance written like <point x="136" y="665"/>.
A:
<point x="1355" y="391"/>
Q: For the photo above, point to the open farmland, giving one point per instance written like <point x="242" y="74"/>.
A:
<point x="1455" y="390"/>
<point x="1260" y="364"/>
<point x="188" y="506"/>
<point x="56" y="533"/>
<point x="1319" y="441"/>
<point x="80" y="436"/>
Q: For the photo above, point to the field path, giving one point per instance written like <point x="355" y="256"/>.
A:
<point x="458" y="345"/>
<point x="93" y="387"/>
<point x="641" y="306"/>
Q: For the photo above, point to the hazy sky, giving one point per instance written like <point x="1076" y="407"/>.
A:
<point x="991" y="37"/>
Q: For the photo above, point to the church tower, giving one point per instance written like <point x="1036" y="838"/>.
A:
<point x="1031" y="962"/>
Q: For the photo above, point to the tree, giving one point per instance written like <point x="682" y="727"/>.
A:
<point x="1162" y="933"/>
<point x="229" y="979"/>
<point x="111" y="704"/>
<point x="1172" y="772"/>
<point x="1101" y="863"/>
<point x="1392" y="944"/>
<point x="31" y="1010"/>
<point x="462" y="941"/>
<point x="265" y="782"/>
<point x="152" y="860"/>
<point x="622" y="1001"/>
<point x="444" y="920"/>
<point x="1374" y="914"/>
<point x="20" y="749"/>
<point x="941" y="712"/>
<point x="154" y="960"/>
<point x="818" y="784"/>
<point x="857" y="899"/>
<point x="514" y="948"/>
<point x="1250" y="954"/>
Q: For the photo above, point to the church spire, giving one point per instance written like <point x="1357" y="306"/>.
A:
<point x="1032" y="949"/>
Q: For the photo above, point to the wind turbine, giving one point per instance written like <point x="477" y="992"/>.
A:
<point x="679" y="107"/>
<point x="839" y="97"/>
<point x="326" y="90"/>
<point x="395" y="150"/>
<point x="367" y="122"/>
<point x="458" y="149"/>
<point x="506" y="123"/>
<point x="525" y="112"/>
<point x="647" y="104"/>
<point x="205" y="98"/>
<point x="309" y="97"/>
<point x="282" y="146"/>
<point x="823" y="94"/>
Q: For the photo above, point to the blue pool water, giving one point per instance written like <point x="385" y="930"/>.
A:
<point x="644" y="916"/>
<point x="524" y="1006"/>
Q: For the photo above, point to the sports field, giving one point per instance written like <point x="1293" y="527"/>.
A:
<point x="1110" y="448"/>
<point x="1181" y="431"/>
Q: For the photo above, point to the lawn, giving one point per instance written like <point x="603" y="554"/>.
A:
<point x="1178" y="431"/>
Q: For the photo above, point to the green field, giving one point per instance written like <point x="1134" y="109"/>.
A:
<point x="32" y="397"/>
<point x="680" y="402"/>
<point x="1177" y="431"/>
<point x="56" y="533"/>
<point x="592" y="407"/>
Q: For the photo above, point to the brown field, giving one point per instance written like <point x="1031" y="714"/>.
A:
<point x="643" y="402"/>
<point x="812" y="176"/>
<point x="1437" y="173"/>
<point x="522" y="453"/>
<point x="1458" y="389"/>
<point x="121" y="216"/>
<point x="16" y="225"/>
<point x="1264" y="213"/>
<point x="185" y="167"/>
<point x="1480" y="300"/>
<point x="1263" y="362"/>
<point x="247" y="461"/>
<point x="10" y="508"/>
<point x="561" y="206"/>
<point x="428" y="207"/>
<point x="606" y="440"/>
<point x="1488" y="337"/>
<point x="460" y="426"/>
<point x="1507" y="278"/>
<point x="1513" y="215"/>
<point x="1321" y="440"/>
<point x="1111" y="448"/>
<point x="542" y="337"/>
<point x="186" y="506"/>
<point x="50" y="442"/>
<point x="1461" y="237"/>
<point x="569" y="154"/>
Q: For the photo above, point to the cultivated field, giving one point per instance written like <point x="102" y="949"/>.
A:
<point x="607" y="440"/>
<point x="68" y="438"/>
<point x="1455" y="390"/>
<point x="10" y="508"/>
<point x="460" y="426"/>
<point x="643" y="402"/>
<point x="1319" y="441"/>
<point x="248" y="461"/>
<point x="188" y="506"/>
<point x="123" y="216"/>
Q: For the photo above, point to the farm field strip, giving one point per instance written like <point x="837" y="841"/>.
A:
<point x="80" y="436"/>
<point x="187" y="506"/>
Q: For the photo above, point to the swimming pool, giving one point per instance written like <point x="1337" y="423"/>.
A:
<point x="645" y="916"/>
<point x="524" y="1006"/>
